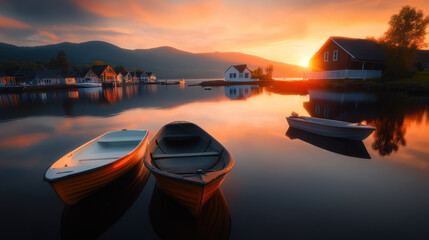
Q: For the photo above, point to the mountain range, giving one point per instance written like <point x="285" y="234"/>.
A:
<point x="166" y="62"/>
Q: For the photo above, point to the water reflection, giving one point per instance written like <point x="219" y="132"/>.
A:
<point x="87" y="101"/>
<point x="241" y="92"/>
<point x="386" y="111"/>
<point x="351" y="148"/>
<point x="171" y="220"/>
<point x="94" y="215"/>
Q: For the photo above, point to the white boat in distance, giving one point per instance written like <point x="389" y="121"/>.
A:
<point x="330" y="128"/>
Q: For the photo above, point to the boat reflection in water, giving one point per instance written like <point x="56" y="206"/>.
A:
<point x="347" y="147"/>
<point x="171" y="220"/>
<point x="94" y="215"/>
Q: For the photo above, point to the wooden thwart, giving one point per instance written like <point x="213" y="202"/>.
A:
<point x="182" y="155"/>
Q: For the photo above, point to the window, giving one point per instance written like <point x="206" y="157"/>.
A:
<point x="326" y="57"/>
<point x="246" y="75"/>
<point x="335" y="55"/>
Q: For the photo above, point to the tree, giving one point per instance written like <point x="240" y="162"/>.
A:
<point x="139" y="70"/>
<point x="257" y="73"/>
<point x="120" y="68"/>
<point x="407" y="29"/>
<point x="60" y="62"/>
<point x="269" y="72"/>
<point x="406" y="34"/>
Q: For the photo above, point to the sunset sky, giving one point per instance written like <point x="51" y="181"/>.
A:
<point x="287" y="31"/>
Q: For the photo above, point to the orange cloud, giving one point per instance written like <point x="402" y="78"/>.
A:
<point x="6" y="22"/>
<point x="48" y="34"/>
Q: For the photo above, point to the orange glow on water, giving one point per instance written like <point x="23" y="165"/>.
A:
<point x="23" y="141"/>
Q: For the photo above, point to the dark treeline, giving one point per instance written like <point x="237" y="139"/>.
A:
<point x="58" y="62"/>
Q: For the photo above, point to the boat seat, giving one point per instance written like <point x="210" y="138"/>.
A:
<point x="184" y="165"/>
<point x="115" y="140"/>
<point x="99" y="156"/>
<point x="185" y="155"/>
<point x="180" y="137"/>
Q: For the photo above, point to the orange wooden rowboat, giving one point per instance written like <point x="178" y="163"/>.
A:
<point x="96" y="163"/>
<point x="188" y="164"/>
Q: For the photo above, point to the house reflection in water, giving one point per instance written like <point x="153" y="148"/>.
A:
<point x="351" y="107"/>
<point x="241" y="92"/>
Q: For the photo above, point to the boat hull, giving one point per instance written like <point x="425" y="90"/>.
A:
<point x="74" y="188"/>
<point x="355" y="133"/>
<point x="191" y="196"/>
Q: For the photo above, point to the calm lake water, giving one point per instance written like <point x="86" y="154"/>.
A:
<point x="285" y="184"/>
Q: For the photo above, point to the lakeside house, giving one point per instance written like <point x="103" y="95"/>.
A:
<point x="140" y="76"/>
<point x="105" y="73"/>
<point x="47" y="77"/>
<point x="52" y="77"/>
<point x="6" y="80"/>
<point x="149" y="77"/>
<point x="86" y="75"/>
<point x="19" y="75"/>
<point x="347" y="58"/>
<point x="239" y="73"/>
<point x="125" y="77"/>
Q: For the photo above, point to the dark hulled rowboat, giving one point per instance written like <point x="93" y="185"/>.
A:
<point x="188" y="164"/>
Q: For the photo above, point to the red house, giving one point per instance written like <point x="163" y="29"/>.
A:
<point x="341" y="58"/>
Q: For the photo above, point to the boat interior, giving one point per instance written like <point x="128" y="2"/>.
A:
<point x="186" y="149"/>
<point x="109" y="147"/>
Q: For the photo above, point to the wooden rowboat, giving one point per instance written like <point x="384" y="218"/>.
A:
<point x="96" y="163"/>
<point x="188" y="164"/>
<point x="330" y="128"/>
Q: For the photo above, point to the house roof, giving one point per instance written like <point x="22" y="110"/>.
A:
<point x="124" y="73"/>
<point x="138" y="74"/>
<point x="240" y="68"/>
<point x="422" y="56"/>
<point x="99" y="69"/>
<point x="82" y="72"/>
<point x="50" y="73"/>
<point x="20" y="72"/>
<point x="361" y="49"/>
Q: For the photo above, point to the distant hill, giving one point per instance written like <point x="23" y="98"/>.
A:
<point x="166" y="62"/>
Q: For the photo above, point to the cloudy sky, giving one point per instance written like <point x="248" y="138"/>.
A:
<point x="284" y="30"/>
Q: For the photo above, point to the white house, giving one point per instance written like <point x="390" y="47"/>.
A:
<point x="86" y="75"/>
<point x="239" y="73"/>
<point x="149" y="77"/>
<point x="48" y="77"/>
